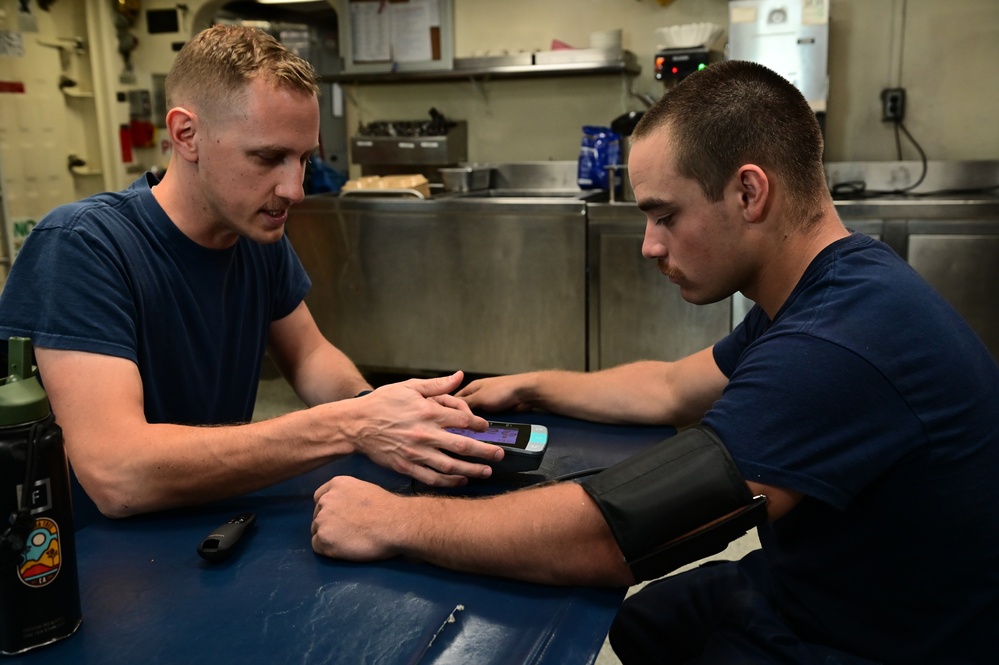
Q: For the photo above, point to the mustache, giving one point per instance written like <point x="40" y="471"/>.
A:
<point x="670" y="271"/>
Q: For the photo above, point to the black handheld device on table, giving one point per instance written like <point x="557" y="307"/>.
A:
<point x="221" y="542"/>
<point x="524" y="445"/>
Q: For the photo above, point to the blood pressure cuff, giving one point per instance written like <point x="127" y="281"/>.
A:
<point x="678" y="501"/>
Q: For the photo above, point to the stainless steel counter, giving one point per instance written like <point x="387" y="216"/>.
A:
<point x="499" y="284"/>
<point x="953" y="242"/>
<point x="487" y="285"/>
<point x="916" y="207"/>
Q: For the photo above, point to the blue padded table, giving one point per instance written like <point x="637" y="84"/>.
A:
<point x="148" y="597"/>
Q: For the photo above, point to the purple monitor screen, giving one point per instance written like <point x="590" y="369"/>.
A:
<point x="504" y="436"/>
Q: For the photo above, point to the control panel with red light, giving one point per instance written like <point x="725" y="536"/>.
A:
<point x="675" y="64"/>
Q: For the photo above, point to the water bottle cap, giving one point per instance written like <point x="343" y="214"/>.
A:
<point x="22" y="398"/>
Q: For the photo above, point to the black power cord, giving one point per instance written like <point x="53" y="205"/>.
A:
<point x="899" y="125"/>
<point x="857" y="189"/>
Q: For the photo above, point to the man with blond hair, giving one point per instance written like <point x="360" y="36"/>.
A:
<point x="151" y="309"/>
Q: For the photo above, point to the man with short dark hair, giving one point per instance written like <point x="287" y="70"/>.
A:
<point x="852" y="402"/>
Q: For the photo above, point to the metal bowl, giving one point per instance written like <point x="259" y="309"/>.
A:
<point x="466" y="178"/>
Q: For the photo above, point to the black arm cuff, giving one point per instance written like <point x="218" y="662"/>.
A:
<point x="681" y="500"/>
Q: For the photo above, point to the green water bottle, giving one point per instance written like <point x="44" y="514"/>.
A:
<point x="39" y="586"/>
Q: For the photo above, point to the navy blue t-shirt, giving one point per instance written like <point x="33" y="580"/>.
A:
<point x="870" y="395"/>
<point x="113" y="275"/>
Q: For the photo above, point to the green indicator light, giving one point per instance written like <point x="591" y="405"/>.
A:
<point x="701" y="66"/>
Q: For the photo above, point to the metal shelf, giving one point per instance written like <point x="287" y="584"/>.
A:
<point x="626" y="64"/>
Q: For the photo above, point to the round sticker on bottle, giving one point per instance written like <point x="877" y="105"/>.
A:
<point x="41" y="559"/>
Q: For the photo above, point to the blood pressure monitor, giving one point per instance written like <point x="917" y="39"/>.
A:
<point x="524" y="445"/>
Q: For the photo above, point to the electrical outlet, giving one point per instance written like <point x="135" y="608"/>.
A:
<point x="893" y="104"/>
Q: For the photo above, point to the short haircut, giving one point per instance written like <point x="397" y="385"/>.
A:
<point x="212" y="70"/>
<point x="734" y="113"/>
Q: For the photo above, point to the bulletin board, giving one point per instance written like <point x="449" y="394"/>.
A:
<point x="396" y="35"/>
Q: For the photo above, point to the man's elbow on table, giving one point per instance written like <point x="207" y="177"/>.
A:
<point x="113" y="488"/>
<point x="109" y="497"/>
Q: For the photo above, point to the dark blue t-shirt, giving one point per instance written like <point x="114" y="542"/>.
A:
<point x="113" y="275"/>
<point x="869" y="394"/>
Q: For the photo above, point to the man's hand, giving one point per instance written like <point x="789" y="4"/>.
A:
<point x="499" y="393"/>
<point x="351" y="519"/>
<point x="401" y="427"/>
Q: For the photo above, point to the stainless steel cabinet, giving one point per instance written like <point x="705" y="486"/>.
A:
<point x="961" y="261"/>
<point x="489" y="286"/>
<point x="871" y="227"/>
<point x="496" y="285"/>
<point x="953" y="244"/>
<point x="636" y="314"/>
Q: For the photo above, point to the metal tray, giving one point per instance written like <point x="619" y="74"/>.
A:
<point x="579" y="55"/>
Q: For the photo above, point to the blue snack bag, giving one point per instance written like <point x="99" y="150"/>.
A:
<point x="608" y="154"/>
<point x="587" y="158"/>
<point x="600" y="148"/>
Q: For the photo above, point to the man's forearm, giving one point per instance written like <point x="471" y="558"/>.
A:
<point x="328" y="376"/>
<point x="174" y="465"/>
<point x="550" y="535"/>
<point x="628" y="394"/>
